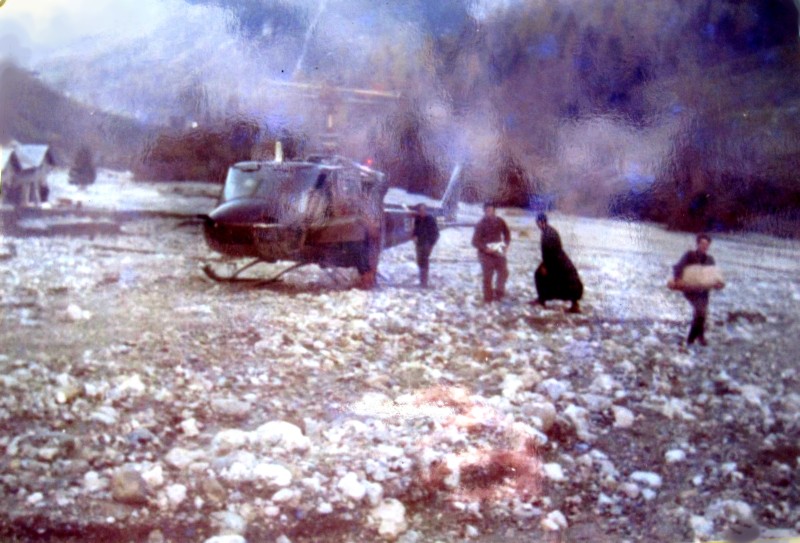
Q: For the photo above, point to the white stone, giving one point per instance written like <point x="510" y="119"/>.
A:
<point x="240" y="470"/>
<point x="701" y="526"/>
<point x="674" y="455"/>
<point x="132" y="384"/>
<point x="75" y="313"/>
<point x="105" y="414"/>
<point x="730" y="509"/>
<point x="231" y="407"/>
<point x="228" y="522"/>
<point x="752" y="394"/>
<point x="229" y="440"/>
<point x="274" y="474"/>
<point x="453" y="478"/>
<point x="554" y="521"/>
<point x="35" y="498"/>
<point x="389" y="451"/>
<point x="390" y="516"/>
<point x="649" y="478"/>
<point x="280" y="433"/>
<point x="180" y="458"/>
<point x="523" y="510"/>
<point x="522" y="434"/>
<point x="623" y="417"/>
<point x="603" y="499"/>
<point x="312" y="483"/>
<point x="580" y="419"/>
<point x="553" y="388"/>
<point x="677" y="408"/>
<point x="603" y="383"/>
<point x="283" y="495"/>
<point x="351" y="487"/>
<point x="176" y="494"/>
<point x="553" y="471"/>
<point x="596" y="402"/>
<point x="154" y="477"/>
<point x="511" y="386"/>
<point x="189" y="427"/>
<point x="228" y="538"/>
<point x="272" y="511"/>
<point x="374" y="492"/>
<point x="92" y="481"/>
<point x="631" y="490"/>
<point x="544" y="414"/>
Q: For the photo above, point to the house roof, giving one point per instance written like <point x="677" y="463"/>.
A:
<point x="5" y="155"/>
<point x="33" y="156"/>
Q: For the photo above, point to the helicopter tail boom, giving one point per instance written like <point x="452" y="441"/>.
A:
<point x="452" y="195"/>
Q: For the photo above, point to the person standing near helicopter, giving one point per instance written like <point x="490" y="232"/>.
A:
<point x="556" y="278"/>
<point x="492" y="238"/>
<point x="426" y="234"/>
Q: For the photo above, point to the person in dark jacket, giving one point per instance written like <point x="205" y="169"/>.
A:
<point x="556" y="277"/>
<point x="698" y="299"/>
<point x="492" y="238"/>
<point x="426" y="234"/>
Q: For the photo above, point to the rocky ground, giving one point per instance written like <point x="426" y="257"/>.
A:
<point x="142" y="402"/>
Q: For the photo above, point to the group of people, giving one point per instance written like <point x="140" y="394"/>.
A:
<point x="556" y="277"/>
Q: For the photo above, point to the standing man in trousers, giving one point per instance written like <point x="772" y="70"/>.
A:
<point x="492" y="238"/>
<point x="426" y="234"/>
<point x="698" y="298"/>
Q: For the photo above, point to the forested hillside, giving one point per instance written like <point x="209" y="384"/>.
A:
<point x="32" y="112"/>
<point x="681" y="111"/>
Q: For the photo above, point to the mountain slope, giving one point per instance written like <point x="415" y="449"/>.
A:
<point x="32" y="112"/>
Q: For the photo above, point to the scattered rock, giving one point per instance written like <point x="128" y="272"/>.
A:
<point x="352" y="487"/>
<point x="623" y="417"/>
<point x="651" y="479"/>
<point x="128" y="486"/>
<point x="554" y="521"/>
<point x="390" y="516"/>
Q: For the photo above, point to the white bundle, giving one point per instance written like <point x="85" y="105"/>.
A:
<point x="497" y="247"/>
<point x="702" y="277"/>
<point x="696" y="277"/>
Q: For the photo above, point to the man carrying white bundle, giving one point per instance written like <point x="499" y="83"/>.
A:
<point x="491" y="239"/>
<point x="695" y="275"/>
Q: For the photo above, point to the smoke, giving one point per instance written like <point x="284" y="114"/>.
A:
<point x="13" y="42"/>
<point x="574" y="92"/>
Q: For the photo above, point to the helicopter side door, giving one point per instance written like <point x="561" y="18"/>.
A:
<point x="343" y="224"/>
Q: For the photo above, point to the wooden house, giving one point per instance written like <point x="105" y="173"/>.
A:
<point x="23" y="179"/>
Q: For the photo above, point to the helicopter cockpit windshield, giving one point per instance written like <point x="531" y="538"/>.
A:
<point x="283" y="190"/>
<point x="259" y="181"/>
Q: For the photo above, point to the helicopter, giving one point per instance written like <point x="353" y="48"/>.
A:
<point x="326" y="210"/>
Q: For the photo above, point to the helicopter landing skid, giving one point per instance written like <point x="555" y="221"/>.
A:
<point x="234" y="278"/>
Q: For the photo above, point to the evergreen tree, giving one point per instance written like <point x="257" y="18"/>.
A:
<point x="83" y="171"/>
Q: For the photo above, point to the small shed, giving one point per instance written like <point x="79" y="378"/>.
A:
<point x="23" y="179"/>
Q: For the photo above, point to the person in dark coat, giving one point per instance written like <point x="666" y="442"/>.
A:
<point x="556" y="277"/>
<point x="426" y="234"/>
<point x="492" y="238"/>
<point x="698" y="298"/>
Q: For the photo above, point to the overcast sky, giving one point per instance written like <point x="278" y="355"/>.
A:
<point x="34" y="29"/>
<point x="31" y="29"/>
